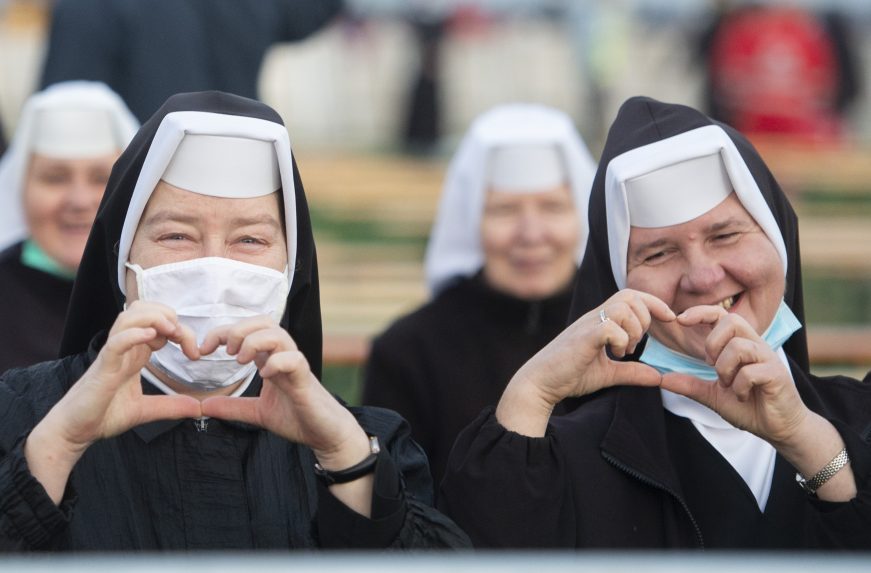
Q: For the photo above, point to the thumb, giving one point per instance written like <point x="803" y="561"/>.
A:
<point x="701" y="391"/>
<point x="635" y="374"/>
<point x="169" y="408"/>
<point x="232" y="408"/>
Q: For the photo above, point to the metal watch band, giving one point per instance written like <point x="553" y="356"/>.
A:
<point x="356" y="471"/>
<point x="829" y="470"/>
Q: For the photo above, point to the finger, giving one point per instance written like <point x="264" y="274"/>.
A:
<point x="292" y="363"/>
<point x="270" y="340"/>
<point x="184" y="336"/>
<point x="748" y="378"/>
<point x="729" y="328"/>
<point x="625" y="316"/>
<point x="738" y="353"/>
<point x="119" y="344"/>
<point x="232" y="335"/>
<point x="141" y="314"/>
<point x="699" y="390"/>
<point x="635" y="374"/>
<point x="702" y="314"/>
<point x="234" y="409"/>
<point x="175" y="407"/>
<point x="612" y="336"/>
<point x="658" y="309"/>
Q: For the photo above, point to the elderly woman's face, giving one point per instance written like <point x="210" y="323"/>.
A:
<point x="60" y="201"/>
<point x="530" y="241"/>
<point x="720" y="258"/>
<point x="180" y="225"/>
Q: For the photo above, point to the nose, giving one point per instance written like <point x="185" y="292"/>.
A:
<point x="83" y="195"/>
<point x="531" y="227"/>
<point x="702" y="273"/>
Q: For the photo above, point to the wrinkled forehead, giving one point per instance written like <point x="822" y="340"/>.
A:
<point x="215" y="156"/>
<point x="676" y="180"/>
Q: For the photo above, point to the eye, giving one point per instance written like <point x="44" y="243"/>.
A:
<point x="173" y="237"/>
<point x="248" y="240"/>
<point x="726" y="237"/>
<point x="658" y="257"/>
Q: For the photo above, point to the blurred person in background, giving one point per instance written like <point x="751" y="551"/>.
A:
<point x="147" y="51"/>
<point x="780" y="70"/>
<point x="186" y="412"/>
<point x="702" y="425"/>
<point x="510" y="231"/>
<point x="51" y="181"/>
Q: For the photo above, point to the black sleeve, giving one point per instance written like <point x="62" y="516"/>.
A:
<point x="302" y="18"/>
<point x="847" y="525"/>
<point x="82" y="43"/>
<point x="402" y="512"/>
<point x="507" y="490"/>
<point x="29" y="519"/>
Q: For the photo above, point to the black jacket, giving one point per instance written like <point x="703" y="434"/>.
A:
<point x="32" y="310"/>
<point x="608" y="475"/>
<point x="439" y="366"/>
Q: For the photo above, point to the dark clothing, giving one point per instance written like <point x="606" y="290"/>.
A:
<point x="620" y="471"/>
<point x="439" y="366"/>
<point x="33" y="306"/>
<point x="167" y="485"/>
<point x="147" y="51"/>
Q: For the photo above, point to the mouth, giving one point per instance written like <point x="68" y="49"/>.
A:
<point x="730" y="301"/>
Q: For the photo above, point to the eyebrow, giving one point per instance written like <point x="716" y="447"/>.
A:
<point x="176" y="217"/>
<point x="730" y="222"/>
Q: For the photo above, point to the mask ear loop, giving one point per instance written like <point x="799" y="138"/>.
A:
<point x="140" y="279"/>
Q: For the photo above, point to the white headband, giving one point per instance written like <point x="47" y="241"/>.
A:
<point x="74" y="132"/>
<point x="693" y="188"/>
<point x="221" y="166"/>
<point x="526" y="168"/>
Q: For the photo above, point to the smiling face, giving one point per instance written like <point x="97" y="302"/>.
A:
<point x="60" y="201"/>
<point x="180" y="225"/>
<point x="720" y="258"/>
<point x="530" y="241"/>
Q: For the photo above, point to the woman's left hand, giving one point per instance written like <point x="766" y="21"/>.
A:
<point x="754" y="390"/>
<point x="293" y="403"/>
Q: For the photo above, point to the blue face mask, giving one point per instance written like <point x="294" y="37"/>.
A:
<point x="666" y="360"/>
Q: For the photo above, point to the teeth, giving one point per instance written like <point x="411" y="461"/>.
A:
<point x="727" y="303"/>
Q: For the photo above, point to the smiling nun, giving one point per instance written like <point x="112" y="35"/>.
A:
<point x="701" y="424"/>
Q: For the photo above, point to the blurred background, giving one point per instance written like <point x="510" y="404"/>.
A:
<point x="377" y="100"/>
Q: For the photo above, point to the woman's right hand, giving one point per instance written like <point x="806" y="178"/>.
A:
<point x="576" y="363"/>
<point x="108" y="400"/>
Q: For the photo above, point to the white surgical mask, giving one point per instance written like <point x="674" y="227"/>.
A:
<point x="208" y="293"/>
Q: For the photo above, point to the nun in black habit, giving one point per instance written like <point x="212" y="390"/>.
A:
<point x="701" y="424"/>
<point x="186" y="412"/>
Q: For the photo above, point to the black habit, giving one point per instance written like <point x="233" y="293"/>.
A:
<point x="33" y="305"/>
<point x="442" y="364"/>
<point x="183" y="485"/>
<point x="619" y="470"/>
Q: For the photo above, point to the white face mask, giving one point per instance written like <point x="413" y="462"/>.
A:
<point x="207" y="293"/>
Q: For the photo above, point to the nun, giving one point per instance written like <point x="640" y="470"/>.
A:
<point x="186" y="411"/>
<point x="51" y="181"/>
<point x="701" y="425"/>
<point x="499" y="266"/>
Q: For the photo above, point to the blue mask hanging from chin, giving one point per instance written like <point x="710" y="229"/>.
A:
<point x="666" y="360"/>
